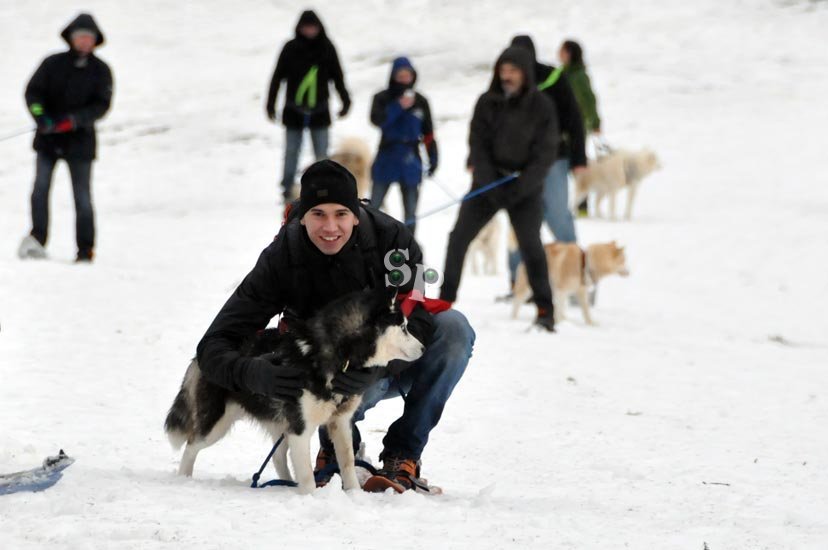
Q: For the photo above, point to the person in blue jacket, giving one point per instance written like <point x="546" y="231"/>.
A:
<point x="404" y="117"/>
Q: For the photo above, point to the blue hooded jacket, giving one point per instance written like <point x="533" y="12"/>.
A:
<point x="398" y="158"/>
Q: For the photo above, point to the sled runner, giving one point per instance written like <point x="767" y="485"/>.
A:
<point x="36" y="479"/>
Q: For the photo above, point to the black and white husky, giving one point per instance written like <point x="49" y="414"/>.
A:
<point x="363" y="329"/>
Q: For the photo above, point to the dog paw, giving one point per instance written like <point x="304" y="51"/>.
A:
<point x="351" y="485"/>
<point x="306" y="489"/>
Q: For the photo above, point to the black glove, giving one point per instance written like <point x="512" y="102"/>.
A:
<point x="346" y="106"/>
<point x="432" y="157"/>
<point x="272" y="379"/>
<point x="356" y="380"/>
<point x="421" y="325"/>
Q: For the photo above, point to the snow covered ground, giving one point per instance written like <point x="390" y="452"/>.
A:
<point x="695" y="413"/>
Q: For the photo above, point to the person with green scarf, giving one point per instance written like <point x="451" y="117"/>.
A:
<point x="308" y="64"/>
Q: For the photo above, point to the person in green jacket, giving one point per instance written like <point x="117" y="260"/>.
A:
<point x="572" y="58"/>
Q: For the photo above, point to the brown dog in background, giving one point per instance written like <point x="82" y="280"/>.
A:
<point x="613" y="172"/>
<point x="572" y="271"/>
<point x="354" y="154"/>
<point x="485" y="247"/>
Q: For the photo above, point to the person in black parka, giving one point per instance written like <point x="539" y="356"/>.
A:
<point x="308" y="63"/>
<point x="514" y="129"/>
<point x="67" y="94"/>
<point x="571" y="152"/>
<point x="332" y="245"/>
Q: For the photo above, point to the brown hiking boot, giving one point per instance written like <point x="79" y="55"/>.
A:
<point x="399" y="474"/>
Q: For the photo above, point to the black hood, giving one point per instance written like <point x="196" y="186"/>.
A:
<point x="525" y="41"/>
<point x="86" y="22"/>
<point x="309" y="17"/>
<point x="520" y="57"/>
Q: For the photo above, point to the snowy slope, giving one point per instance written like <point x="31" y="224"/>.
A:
<point x="694" y="413"/>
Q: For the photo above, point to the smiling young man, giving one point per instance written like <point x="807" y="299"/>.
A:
<point x="332" y="245"/>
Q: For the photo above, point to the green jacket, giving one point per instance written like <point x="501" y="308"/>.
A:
<point x="579" y="81"/>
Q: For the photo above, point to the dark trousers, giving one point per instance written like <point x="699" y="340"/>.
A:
<point x="526" y="217"/>
<point x="410" y="196"/>
<point x="428" y="383"/>
<point x="81" y="173"/>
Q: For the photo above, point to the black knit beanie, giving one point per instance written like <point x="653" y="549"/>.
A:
<point x="327" y="181"/>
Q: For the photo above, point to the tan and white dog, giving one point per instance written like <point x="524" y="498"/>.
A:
<point x="573" y="270"/>
<point x="354" y="154"/>
<point x="613" y="172"/>
<point x="484" y="248"/>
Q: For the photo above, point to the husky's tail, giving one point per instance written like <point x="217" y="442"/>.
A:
<point x="179" y="424"/>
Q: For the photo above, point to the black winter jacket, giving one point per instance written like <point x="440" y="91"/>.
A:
<point x="296" y="63"/>
<point x="573" y="142"/>
<point x="67" y="84"/>
<point x="513" y="134"/>
<point x="294" y="278"/>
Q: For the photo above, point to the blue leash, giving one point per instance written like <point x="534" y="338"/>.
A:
<point x="464" y="198"/>
<point x="272" y="482"/>
<point x="326" y="472"/>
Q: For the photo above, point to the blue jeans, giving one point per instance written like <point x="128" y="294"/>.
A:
<point x="556" y="202"/>
<point x="81" y="173"/>
<point x="293" y="146"/>
<point x="410" y="196"/>
<point x="428" y="383"/>
<point x="556" y="210"/>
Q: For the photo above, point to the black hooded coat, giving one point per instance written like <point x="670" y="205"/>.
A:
<point x="306" y="107"/>
<point x="70" y="85"/>
<point x="513" y="134"/>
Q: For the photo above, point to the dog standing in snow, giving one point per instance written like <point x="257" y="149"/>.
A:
<point x="363" y="329"/>
<point x="483" y="249"/>
<point x="573" y="270"/>
<point x="613" y="172"/>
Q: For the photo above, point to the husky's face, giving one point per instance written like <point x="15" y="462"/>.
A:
<point x="650" y="162"/>
<point x="393" y="341"/>
<point x="608" y="259"/>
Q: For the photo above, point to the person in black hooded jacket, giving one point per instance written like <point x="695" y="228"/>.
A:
<point x="571" y="152"/>
<point x="66" y="95"/>
<point x="308" y="63"/>
<point x="514" y="129"/>
<point x="332" y="245"/>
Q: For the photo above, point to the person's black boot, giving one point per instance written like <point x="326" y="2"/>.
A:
<point x="546" y="319"/>
<point x="85" y="256"/>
